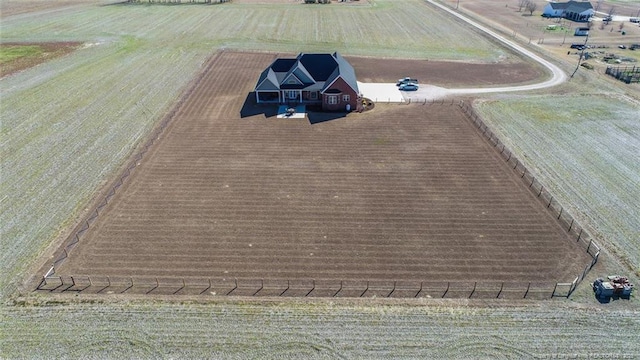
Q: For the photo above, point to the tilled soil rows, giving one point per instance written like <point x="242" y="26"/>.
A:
<point x="401" y="193"/>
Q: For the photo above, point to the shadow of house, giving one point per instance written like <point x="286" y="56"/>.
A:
<point x="317" y="117"/>
<point x="251" y="108"/>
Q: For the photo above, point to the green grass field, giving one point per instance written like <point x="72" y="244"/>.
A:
<point x="586" y="153"/>
<point x="68" y="124"/>
<point x="320" y="330"/>
<point x="390" y="28"/>
<point x="13" y="52"/>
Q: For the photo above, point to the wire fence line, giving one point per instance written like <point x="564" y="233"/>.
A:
<point x="298" y="288"/>
<point x="53" y="282"/>
<point x="415" y="101"/>
<point x="553" y="205"/>
<point x="84" y="226"/>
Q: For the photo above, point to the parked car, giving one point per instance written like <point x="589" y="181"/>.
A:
<point x="578" y="46"/>
<point x="406" y="81"/>
<point x="409" y="87"/>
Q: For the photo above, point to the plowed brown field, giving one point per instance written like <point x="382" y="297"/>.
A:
<point x="400" y="193"/>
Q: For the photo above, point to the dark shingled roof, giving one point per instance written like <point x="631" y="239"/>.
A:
<point x="282" y="65"/>
<point x="323" y="68"/>
<point x="320" y="66"/>
<point x="573" y="6"/>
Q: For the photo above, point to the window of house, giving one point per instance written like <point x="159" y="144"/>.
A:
<point x="346" y="98"/>
<point x="332" y="99"/>
<point x="313" y="95"/>
<point x="293" y="94"/>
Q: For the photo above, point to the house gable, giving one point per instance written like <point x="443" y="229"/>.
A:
<point x="338" y="95"/>
<point x="301" y="73"/>
<point x="291" y="79"/>
<point x="267" y="81"/>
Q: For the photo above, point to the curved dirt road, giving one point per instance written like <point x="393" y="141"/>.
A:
<point x="388" y="92"/>
<point x="558" y="76"/>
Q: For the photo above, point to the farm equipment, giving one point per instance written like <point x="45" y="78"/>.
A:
<point x="617" y="286"/>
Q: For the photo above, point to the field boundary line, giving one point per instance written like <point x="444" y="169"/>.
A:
<point x="83" y="227"/>
<point x="566" y="220"/>
<point x="296" y="288"/>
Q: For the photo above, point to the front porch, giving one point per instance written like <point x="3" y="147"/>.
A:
<point x="288" y="97"/>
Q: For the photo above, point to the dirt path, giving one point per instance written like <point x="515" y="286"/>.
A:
<point x="431" y="93"/>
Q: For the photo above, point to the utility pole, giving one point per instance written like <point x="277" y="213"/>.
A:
<point x="584" y="46"/>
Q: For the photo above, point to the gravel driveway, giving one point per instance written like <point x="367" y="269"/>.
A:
<point x="389" y="93"/>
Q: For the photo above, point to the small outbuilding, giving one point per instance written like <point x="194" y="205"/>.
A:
<point x="581" y="31"/>
<point x="327" y="80"/>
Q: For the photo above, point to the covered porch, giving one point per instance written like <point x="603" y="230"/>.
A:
<point x="288" y="96"/>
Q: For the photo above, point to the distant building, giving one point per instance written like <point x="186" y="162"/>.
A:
<point x="581" y="31"/>
<point x="580" y="11"/>
<point x="315" y="79"/>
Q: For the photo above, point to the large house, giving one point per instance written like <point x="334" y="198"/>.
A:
<point x="327" y="80"/>
<point x="580" y="11"/>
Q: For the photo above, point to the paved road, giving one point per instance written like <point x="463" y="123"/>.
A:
<point x="387" y="92"/>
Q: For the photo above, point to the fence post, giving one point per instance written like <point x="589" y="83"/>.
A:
<point x="235" y="287"/>
<point x="184" y="285"/>
<point x="527" y="292"/>
<point x="155" y="287"/>
<point x="365" y="290"/>
<point x="205" y="290"/>
<point x="500" y="292"/>
<point x="313" y="288"/>
<point x="261" y="287"/>
<point x="560" y="214"/>
<point x="340" y="289"/>
<point x="73" y="283"/>
<point x="108" y="285"/>
<point x="419" y="291"/>
<point x="392" y="291"/>
<point x="446" y="291"/>
<point x="474" y="289"/>
<point x="130" y="286"/>
<point x="285" y="290"/>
